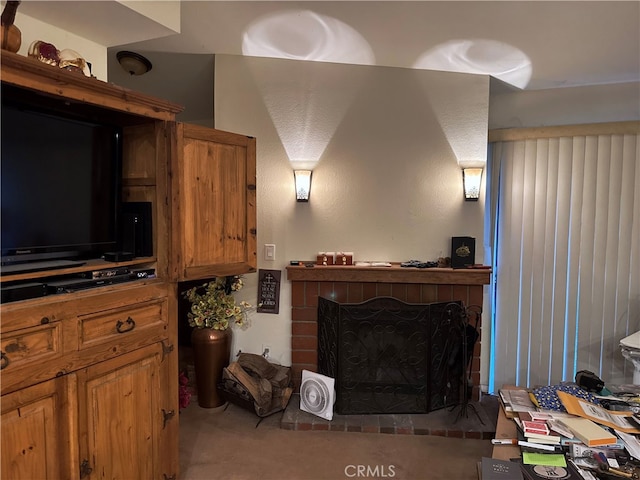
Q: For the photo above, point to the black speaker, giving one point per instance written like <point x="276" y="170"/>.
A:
<point x="137" y="228"/>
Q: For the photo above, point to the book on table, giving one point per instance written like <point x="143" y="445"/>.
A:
<point x="496" y="469"/>
<point x="505" y="403"/>
<point x="537" y="445"/>
<point x="556" y="427"/>
<point x="515" y="400"/>
<point x="588" y="432"/>
<point x="521" y="400"/>
<point x="542" y="415"/>
<point x="543" y="439"/>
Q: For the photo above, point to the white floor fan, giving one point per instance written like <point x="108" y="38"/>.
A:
<point x="317" y="394"/>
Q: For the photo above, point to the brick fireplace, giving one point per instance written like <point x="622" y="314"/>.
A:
<point x="353" y="284"/>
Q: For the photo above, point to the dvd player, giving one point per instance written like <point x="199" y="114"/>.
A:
<point x="22" y="291"/>
<point x="75" y="284"/>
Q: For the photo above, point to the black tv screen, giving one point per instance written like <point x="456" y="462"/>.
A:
<point x="60" y="180"/>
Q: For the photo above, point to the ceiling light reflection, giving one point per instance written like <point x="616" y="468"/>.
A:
<point x="480" y="56"/>
<point x="306" y="35"/>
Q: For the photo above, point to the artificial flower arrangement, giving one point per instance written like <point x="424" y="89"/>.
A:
<point x="214" y="306"/>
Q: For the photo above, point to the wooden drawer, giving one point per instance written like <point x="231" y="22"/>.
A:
<point x="122" y="324"/>
<point x="31" y="345"/>
<point x="19" y="318"/>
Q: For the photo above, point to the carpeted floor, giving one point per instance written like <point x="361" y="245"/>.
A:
<point x="226" y="444"/>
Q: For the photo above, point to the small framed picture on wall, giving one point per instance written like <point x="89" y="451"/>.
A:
<point x="269" y="291"/>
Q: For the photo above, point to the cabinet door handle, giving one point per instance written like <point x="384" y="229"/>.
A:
<point x="167" y="416"/>
<point x="4" y="361"/>
<point x="126" y="326"/>
<point x="166" y="349"/>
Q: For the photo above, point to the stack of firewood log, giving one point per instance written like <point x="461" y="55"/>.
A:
<point x="252" y="378"/>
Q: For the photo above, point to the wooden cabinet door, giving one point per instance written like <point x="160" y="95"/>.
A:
<point x="120" y="416"/>
<point x="214" y="203"/>
<point x="38" y="432"/>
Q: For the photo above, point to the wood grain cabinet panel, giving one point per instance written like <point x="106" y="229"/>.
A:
<point x="140" y="150"/>
<point x="37" y="426"/>
<point x="122" y="416"/>
<point x="214" y="203"/>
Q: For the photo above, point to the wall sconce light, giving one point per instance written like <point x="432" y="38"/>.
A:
<point x="133" y="63"/>
<point x="471" y="178"/>
<point x="303" y="184"/>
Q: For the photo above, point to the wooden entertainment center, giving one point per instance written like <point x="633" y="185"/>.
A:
<point x="89" y="379"/>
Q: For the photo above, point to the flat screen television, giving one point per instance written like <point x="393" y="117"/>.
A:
<point x="60" y="180"/>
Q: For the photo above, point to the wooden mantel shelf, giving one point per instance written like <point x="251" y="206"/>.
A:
<point x="393" y="274"/>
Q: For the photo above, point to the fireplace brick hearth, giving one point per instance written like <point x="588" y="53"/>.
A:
<point x="353" y="284"/>
<point x="478" y="424"/>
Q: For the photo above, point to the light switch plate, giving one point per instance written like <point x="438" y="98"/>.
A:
<point x="269" y="251"/>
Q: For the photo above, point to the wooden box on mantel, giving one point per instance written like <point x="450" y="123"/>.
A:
<point x="344" y="258"/>
<point x="325" y="258"/>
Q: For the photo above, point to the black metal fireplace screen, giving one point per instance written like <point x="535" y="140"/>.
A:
<point x="388" y="356"/>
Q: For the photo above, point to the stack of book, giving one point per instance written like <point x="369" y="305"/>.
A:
<point x="515" y="400"/>
<point x="581" y="443"/>
<point x="544" y="428"/>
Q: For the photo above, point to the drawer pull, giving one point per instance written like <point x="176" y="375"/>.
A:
<point x="4" y="361"/>
<point x="44" y="320"/>
<point x="126" y="326"/>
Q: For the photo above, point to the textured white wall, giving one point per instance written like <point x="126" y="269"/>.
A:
<point x="386" y="144"/>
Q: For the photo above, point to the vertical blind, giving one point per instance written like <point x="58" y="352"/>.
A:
<point x="564" y="222"/>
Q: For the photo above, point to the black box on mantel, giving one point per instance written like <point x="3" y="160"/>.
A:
<point x="463" y="252"/>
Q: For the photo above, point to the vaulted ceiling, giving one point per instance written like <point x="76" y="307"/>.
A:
<point x="524" y="44"/>
<point x="529" y="44"/>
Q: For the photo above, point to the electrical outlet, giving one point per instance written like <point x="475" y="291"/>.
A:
<point x="266" y="351"/>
